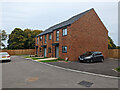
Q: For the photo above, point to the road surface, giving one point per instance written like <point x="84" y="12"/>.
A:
<point x="22" y="73"/>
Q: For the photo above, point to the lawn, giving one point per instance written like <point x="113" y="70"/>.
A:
<point x="27" y="57"/>
<point x="34" y="58"/>
<point x="54" y="60"/>
<point x="49" y="61"/>
<point x="118" y="69"/>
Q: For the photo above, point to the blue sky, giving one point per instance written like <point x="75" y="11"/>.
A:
<point x="42" y="15"/>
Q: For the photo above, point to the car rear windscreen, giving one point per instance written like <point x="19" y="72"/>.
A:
<point x="3" y="53"/>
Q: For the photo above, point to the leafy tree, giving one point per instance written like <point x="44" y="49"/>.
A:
<point x="16" y="39"/>
<point x="3" y="37"/>
<point x="30" y="37"/>
<point x="34" y="33"/>
<point x="111" y="44"/>
<point x="20" y="39"/>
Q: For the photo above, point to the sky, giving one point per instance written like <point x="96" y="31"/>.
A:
<point x="41" y="14"/>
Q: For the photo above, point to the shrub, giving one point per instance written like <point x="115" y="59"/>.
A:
<point x="36" y="55"/>
<point x="118" y="69"/>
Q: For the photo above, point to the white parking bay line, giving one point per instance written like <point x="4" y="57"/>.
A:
<point x="100" y="75"/>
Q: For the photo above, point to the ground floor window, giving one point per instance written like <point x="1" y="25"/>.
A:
<point x="49" y="50"/>
<point x="64" y="49"/>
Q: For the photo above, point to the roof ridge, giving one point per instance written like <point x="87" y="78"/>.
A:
<point x="65" y="23"/>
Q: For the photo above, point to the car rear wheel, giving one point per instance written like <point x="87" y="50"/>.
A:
<point x="102" y="59"/>
<point x="91" y="60"/>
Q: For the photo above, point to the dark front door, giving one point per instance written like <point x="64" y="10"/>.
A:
<point x="56" y="51"/>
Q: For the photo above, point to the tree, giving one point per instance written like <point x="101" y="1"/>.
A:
<point x="118" y="47"/>
<point x="3" y="37"/>
<point x="34" y="33"/>
<point x="30" y="37"/>
<point x="16" y="39"/>
<point x="111" y="44"/>
<point x="22" y="39"/>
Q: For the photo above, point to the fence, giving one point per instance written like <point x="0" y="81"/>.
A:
<point x="20" y="52"/>
<point x="114" y="53"/>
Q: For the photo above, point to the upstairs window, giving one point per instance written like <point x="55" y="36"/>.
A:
<point x="45" y="38"/>
<point x="40" y="38"/>
<point x="64" y="31"/>
<point x="57" y="35"/>
<point x="50" y="37"/>
<point x="64" y="49"/>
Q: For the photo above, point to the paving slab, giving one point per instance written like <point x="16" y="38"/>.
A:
<point x="45" y="59"/>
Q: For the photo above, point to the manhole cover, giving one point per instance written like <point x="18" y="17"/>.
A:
<point x="85" y="83"/>
<point x="31" y="79"/>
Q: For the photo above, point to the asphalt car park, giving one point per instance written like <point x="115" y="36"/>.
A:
<point x="105" y="68"/>
<point x="25" y="73"/>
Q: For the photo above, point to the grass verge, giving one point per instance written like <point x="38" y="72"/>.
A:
<point x="27" y="57"/>
<point x="49" y="61"/>
<point x="118" y="69"/>
<point x="54" y="60"/>
<point x="34" y="58"/>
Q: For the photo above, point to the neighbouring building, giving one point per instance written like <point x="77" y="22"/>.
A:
<point x="73" y="37"/>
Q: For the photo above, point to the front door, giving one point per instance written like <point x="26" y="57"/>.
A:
<point x="44" y="52"/>
<point x="56" y="51"/>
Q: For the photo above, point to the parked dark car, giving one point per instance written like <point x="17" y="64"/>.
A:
<point x="91" y="57"/>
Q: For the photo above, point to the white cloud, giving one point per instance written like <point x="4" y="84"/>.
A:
<point x="41" y="15"/>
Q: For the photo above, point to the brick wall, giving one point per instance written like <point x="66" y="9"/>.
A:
<point x="86" y="34"/>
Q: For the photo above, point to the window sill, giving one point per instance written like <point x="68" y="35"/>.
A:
<point x="64" y="52"/>
<point x="64" y="35"/>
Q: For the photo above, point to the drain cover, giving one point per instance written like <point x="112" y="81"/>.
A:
<point x="31" y="79"/>
<point x="85" y="83"/>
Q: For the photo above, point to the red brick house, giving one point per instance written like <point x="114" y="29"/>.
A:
<point x="71" y="38"/>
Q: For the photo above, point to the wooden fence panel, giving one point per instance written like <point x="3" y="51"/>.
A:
<point x="114" y="53"/>
<point x="20" y="52"/>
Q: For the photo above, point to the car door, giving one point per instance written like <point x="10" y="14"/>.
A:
<point x="95" y="57"/>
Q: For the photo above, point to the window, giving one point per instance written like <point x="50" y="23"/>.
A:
<point x="49" y="50"/>
<point x="45" y="38"/>
<point x="64" y="31"/>
<point x="50" y="36"/>
<point x="40" y="49"/>
<point x="57" y="35"/>
<point x="64" y="49"/>
<point x="97" y="53"/>
<point x="40" y="38"/>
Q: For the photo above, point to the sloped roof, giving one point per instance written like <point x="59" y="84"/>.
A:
<point x="64" y="23"/>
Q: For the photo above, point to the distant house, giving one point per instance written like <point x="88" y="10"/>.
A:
<point x="68" y="39"/>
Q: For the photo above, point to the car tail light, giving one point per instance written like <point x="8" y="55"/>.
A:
<point x="8" y="56"/>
